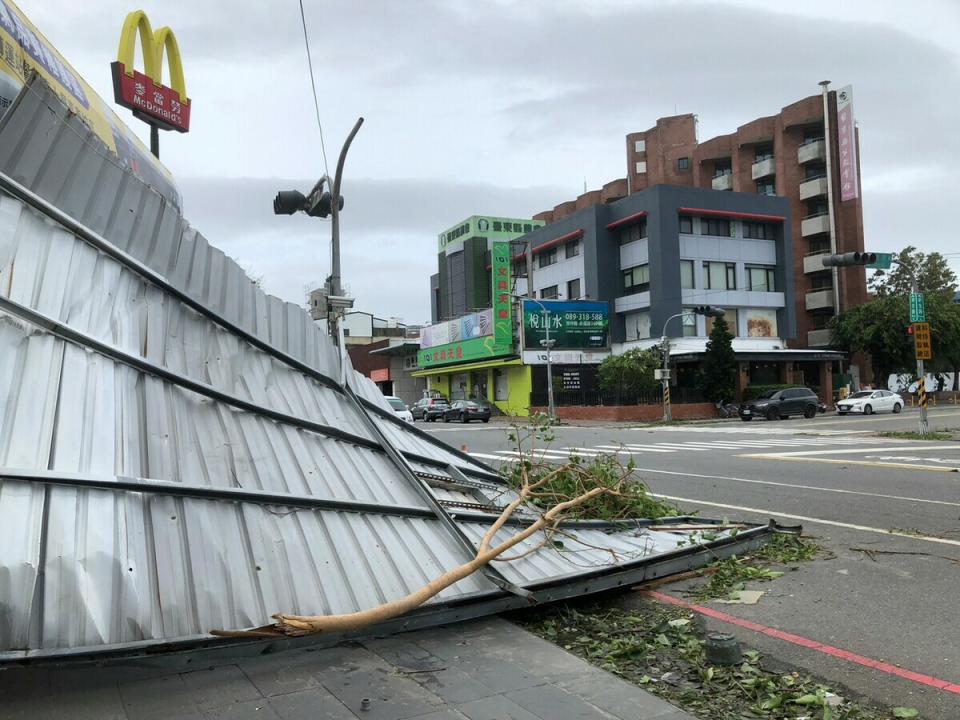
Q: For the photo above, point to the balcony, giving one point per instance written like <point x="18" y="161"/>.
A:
<point x="814" y="262"/>
<point x="811" y="151"/>
<point x="723" y="182"/>
<point x="818" y="338"/>
<point x="814" y="187"/>
<point x="820" y="298"/>
<point x="815" y="225"/>
<point x="763" y="168"/>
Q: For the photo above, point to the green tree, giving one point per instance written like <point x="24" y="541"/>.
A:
<point x="718" y="372"/>
<point x="878" y="328"/>
<point x="933" y="274"/>
<point x="631" y="372"/>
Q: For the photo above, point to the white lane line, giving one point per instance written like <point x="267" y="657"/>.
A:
<point x="552" y="454"/>
<point x="815" y="521"/>
<point x="678" y="446"/>
<point x="866" y="463"/>
<point x="801" y="487"/>
<point x="853" y="451"/>
<point x="893" y="418"/>
<point x="648" y="448"/>
<point x="485" y="456"/>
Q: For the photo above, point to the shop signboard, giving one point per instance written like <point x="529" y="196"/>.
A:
<point x="494" y="228"/>
<point x="574" y="324"/>
<point x="480" y="336"/>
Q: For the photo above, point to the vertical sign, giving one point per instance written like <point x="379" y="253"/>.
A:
<point x="922" y="344"/>
<point x="918" y="309"/>
<point x="847" y="144"/>
<point x="500" y="292"/>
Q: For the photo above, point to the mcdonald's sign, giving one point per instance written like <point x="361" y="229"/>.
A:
<point x="144" y="92"/>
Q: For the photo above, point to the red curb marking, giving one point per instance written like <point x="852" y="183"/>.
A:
<point x="807" y="643"/>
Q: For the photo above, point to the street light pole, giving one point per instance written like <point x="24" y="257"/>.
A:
<point x="335" y="288"/>
<point x="665" y="341"/>
<point x="921" y="373"/>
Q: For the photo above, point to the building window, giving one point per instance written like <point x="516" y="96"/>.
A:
<point x="641" y="167"/>
<point x="758" y="231"/>
<point x="763" y="152"/>
<point x="686" y="224"/>
<point x="547" y="258"/>
<point x="715" y="226"/>
<point x="760" y="279"/>
<point x="637" y="325"/>
<point x="549" y="293"/>
<point x="730" y="315"/>
<point x="720" y="276"/>
<point x="633" y="232"/>
<point x="639" y="146"/>
<point x="573" y="289"/>
<point x="689" y="322"/>
<point x="686" y="274"/>
<point x="683" y="163"/>
<point x="636" y="279"/>
<point x="572" y="249"/>
<point x="812" y="134"/>
<point x="766" y="187"/>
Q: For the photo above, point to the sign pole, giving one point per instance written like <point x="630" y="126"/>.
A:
<point x="155" y="141"/>
<point x="922" y="387"/>
<point x="667" y="410"/>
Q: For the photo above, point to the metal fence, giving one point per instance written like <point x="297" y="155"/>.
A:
<point x="593" y="398"/>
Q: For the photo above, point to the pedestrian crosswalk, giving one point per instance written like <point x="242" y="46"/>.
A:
<point x="769" y="438"/>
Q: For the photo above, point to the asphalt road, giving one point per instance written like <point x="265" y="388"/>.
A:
<point x="886" y="510"/>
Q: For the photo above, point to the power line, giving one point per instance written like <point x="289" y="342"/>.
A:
<point x="313" y="86"/>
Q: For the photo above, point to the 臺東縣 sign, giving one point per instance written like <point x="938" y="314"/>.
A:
<point x="143" y="92"/>
<point x="495" y="344"/>
<point x="494" y="228"/>
<point x="573" y="324"/>
<point x="922" y="342"/>
<point x="918" y="309"/>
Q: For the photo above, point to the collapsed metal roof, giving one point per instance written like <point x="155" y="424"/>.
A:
<point x="181" y="452"/>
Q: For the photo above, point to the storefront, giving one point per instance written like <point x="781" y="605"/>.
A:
<point x="504" y="383"/>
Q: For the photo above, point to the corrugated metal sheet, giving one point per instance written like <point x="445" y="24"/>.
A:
<point x="177" y="452"/>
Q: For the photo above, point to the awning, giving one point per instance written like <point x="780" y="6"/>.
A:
<point x="464" y="367"/>
<point x="770" y="355"/>
<point x="407" y="347"/>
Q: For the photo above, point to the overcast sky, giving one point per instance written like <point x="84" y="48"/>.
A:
<point x="507" y="108"/>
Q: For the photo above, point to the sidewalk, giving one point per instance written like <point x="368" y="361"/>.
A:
<point x="483" y="670"/>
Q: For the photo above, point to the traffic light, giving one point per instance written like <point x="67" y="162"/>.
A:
<point x="709" y="311"/>
<point x="910" y="330"/>
<point x="318" y="203"/>
<point x="849" y="259"/>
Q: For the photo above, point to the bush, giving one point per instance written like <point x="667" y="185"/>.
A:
<point x="755" y="391"/>
<point x="631" y="372"/>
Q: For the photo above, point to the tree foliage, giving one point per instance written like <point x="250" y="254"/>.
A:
<point x="718" y="373"/>
<point x="933" y="274"/>
<point x="631" y="372"/>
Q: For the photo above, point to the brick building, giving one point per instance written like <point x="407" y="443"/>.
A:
<point x="783" y="155"/>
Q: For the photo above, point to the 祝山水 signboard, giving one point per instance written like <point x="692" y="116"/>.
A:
<point x="143" y="92"/>
<point x="574" y="324"/>
<point x="847" y="144"/>
<point x="479" y="336"/>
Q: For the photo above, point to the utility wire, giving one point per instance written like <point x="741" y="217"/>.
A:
<point x="313" y="86"/>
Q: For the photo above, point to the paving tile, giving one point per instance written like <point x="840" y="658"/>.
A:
<point x="618" y="697"/>
<point x="499" y="675"/>
<point x="550" y="701"/>
<point x="215" y="687"/>
<point x="453" y="685"/>
<point x="405" y="655"/>
<point x="283" y="672"/>
<point x="499" y="707"/>
<point x="447" y="714"/>
<point x="391" y="697"/>
<point x="258" y="709"/>
<point x="313" y="704"/>
<point x="157" y="697"/>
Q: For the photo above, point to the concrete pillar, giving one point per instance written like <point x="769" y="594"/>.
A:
<point x="826" y="383"/>
<point x="743" y="379"/>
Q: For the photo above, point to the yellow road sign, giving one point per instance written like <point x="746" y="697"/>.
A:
<point x="922" y="343"/>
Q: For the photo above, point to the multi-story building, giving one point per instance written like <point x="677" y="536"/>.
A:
<point x="462" y="282"/>
<point x="666" y="249"/>
<point x="783" y="155"/>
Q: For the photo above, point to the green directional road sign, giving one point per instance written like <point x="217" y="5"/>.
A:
<point x="884" y="261"/>
<point x="918" y="310"/>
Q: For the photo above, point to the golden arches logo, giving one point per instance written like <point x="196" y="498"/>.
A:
<point x="166" y="107"/>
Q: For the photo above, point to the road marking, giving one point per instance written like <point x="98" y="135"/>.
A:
<point x="816" y="521"/>
<point x="485" y="456"/>
<point x="830" y="650"/>
<point x="850" y="451"/>
<point x="801" y="487"/>
<point x="637" y="448"/>
<point x="893" y="418"/>
<point x="864" y="463"/>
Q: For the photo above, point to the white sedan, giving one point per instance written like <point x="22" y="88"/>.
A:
<point x="400" y="408"/>
<point x="870" y="401"/>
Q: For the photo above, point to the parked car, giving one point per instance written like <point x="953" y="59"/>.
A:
<point x="780" y="404"/>
<point x="466" y="410"/>
<point x="429" y="409"/>
<point x="400" y="408"/>
<point x="869" y="402"/>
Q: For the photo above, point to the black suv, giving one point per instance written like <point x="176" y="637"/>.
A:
<point x="780" y="404"/>
<point x="429" y="409"/>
